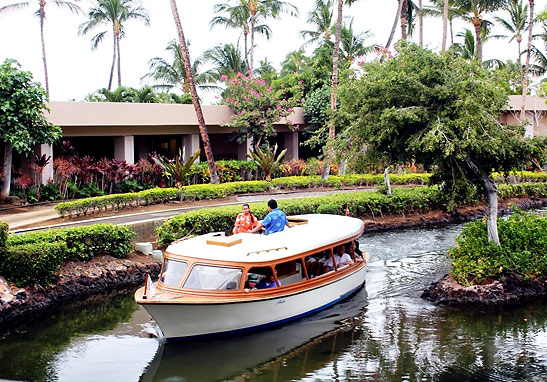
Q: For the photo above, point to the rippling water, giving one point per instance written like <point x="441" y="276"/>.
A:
<point x="384" y="333"/>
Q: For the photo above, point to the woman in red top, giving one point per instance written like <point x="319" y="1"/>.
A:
<point x="245" y="221"/>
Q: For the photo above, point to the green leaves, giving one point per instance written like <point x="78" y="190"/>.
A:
<point x="267" y="159"/>
<point x="23" y="102"/>
<point x="178" y="168"/>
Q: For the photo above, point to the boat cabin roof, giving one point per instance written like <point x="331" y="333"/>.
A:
<point x="317" y="231"/>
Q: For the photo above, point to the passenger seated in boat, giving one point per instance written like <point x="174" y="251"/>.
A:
<point x="352" y="249"/>
<point x="268" y="282"/>
<point x="340" y="256"/>
<point x="245" y="221"/>
<point x="275" y="221"/>
<point x="316" y="263"/>
<point x="251" y="282"/>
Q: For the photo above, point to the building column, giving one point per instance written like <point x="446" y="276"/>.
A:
<point x="243" y="149"/>
<point x="291" y="144"/>
<point x="124" y="148"/>
<point x="47" y="173"/>
<point x="190" y="142"/>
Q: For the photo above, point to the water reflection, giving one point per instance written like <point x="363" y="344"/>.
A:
<point x="246" y="355"/>
<point x="384" y="333"/>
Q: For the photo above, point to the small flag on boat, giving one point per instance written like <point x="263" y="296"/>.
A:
<point x="347" y="210"/>
<point x="150" y="289"/>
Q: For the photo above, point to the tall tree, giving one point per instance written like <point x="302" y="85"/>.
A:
<point x="476" y="11"/>
<point x="195" y="99"/>
<point x="23" y="123"/>
<point x="172" y="75"/>
<point x="453" y="12"/>
<point x="226" y="60"/>
<point x="41" y="13"/>
<point x="352" y="45"/>
<point x="527" y="65"/>
<point x="418" y="107"/>
<point x="334" y="88"/>
<point x="114" y="13"/>
<point x="266" y="9"/>
<point x="321" y="18"/>
<point x="404" y="19"/>
<point x="238" y="17"/>
<point x="395" y="22"/>
<point x="294" y="62"/>
<point x="515" y="24"/>
<point x="421" y="23"/>
<point x="445" y="23"/>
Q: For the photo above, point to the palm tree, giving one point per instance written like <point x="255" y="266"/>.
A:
<point x="195" y="99"/>
<point x="238" y="17"/>
<point x="114" y="13"/>
<point x="468" y="49"/>
<point x="172" y="75"/>
<point x="475" y="11"/>
<point x="294" y="62"/>
<point x="404" y="19"/>
<point x="41" y="13"/>
<point x="527" y="66"/>
<point x="266" y="71"/>
<point x="264" y="9"/>
<point x="516" y="25"/>
<point x="321" y="17"/>
<point x="438" y="10"/>
<point x="353" y="45"/>
<point x="226" y="60"/>
<point x="334" y="88"/>
<point x="395" y="22"/>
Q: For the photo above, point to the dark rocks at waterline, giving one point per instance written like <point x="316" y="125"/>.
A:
<point x="74" y="282"/>
<point x="508" y="290"/>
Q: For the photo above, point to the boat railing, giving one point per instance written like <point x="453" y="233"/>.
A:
<point x="266" y="250"/>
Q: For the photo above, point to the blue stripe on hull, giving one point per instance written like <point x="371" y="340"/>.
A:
<point x="268" y="325"/>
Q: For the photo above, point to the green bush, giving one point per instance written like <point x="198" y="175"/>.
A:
<point x="360" y="204"/>
<point x="83" y="243"/>
<point x="33" y="262"/>
<point x="4" y="227"/>
<point x="522" y="250"/>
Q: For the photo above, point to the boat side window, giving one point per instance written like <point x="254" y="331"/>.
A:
<point x="290" y="272"/>
<point x="172" y="272"/>
<point x="264" y="276"/>
<point x="213" y="278"/>
<point x="315" y="263"/>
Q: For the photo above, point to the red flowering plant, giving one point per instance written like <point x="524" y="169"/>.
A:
<point x="257" y="107"/>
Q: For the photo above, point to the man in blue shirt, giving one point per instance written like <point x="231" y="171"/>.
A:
<point x="275" y="221"/>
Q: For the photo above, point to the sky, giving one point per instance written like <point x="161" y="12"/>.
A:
<point x="76" y="70"/>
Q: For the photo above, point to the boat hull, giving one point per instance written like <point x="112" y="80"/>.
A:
<point x="180" y="321"/>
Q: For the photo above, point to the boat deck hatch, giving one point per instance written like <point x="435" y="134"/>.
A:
<point x="297" y="221"/>
<point x="225" y="241"/>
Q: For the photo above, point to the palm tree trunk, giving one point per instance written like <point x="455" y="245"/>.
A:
<point x="445" y="23"/>
<point x="492" y="200"/>
<point x="113" y="64"/>
<point x="527" y="65"/>
<point x="6" y="171"/>
<point x="42" y="18"/>
<point x="194" y="94"/>
<point x="397" y="14"/>
<point x="421" y="23"/>
<point x="246" y="45"/>
<point x="477" y="26"/>
<point x="253" y="22"/>
<point x="452" y="47"/>
<point x="119" y="61"/>
<point x="332" y="127"/>
<point x="404" y="21"/>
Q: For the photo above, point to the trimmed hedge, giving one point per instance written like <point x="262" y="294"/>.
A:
<point x="360" y="204"/>
<point x="213" y="191"/>
<point x="32" y="262"/>
<point x="4" y="227"/>
<point x="522" y="250"/>
<point x="33" y="257"/>
<point x="83" y="243"/>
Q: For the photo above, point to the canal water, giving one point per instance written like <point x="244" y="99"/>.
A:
<point x="386" y="332"/>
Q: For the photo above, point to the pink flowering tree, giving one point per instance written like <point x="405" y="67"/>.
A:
<point x="257" y="107"/>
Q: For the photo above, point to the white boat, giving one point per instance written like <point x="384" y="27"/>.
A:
<point x="201" y="289"/>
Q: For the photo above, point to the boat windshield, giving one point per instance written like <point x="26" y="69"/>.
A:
<point x="212" y="277"/>
<point x="172" y="272"/>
